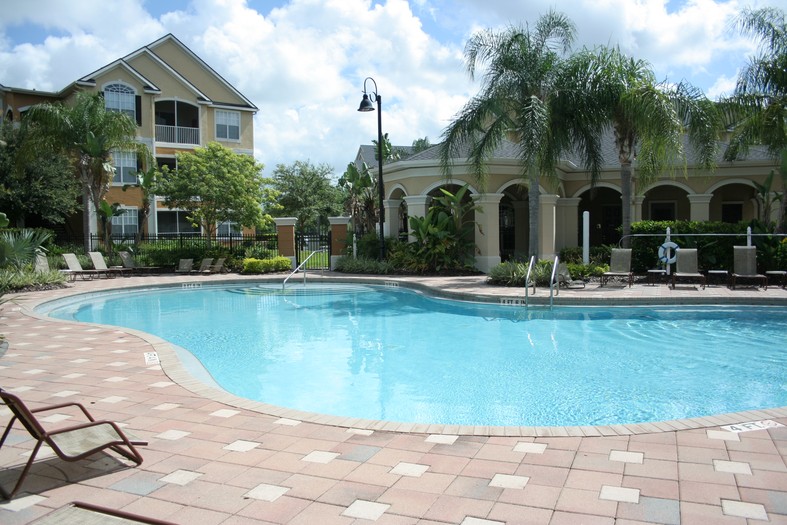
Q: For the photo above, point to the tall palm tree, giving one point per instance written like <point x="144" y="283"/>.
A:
<point x="88" y="133"/>
<point x="648" y="118"/>
<point x="757" y="110"/>
<point x="523" y="99"/>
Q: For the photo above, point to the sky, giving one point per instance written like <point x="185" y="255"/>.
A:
<point x="303" y="62"/>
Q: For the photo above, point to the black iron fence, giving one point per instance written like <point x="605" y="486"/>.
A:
<point x="313" y="241"/>
<point x="167" y="249"/>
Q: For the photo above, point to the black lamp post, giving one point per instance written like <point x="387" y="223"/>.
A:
<point x="366" y="105"/>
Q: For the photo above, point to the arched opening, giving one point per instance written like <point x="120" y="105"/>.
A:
<point x="605" y="215"/>
<point x="733" y="203"/>
<point x="666" y="203"/>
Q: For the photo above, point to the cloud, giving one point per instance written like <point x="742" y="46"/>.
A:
<point x="303" y="62"/>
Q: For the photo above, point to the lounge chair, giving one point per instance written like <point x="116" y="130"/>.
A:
<point x="218" y="266"/>
<point x="101" y="265"/>
<point x="81" y="513"/>
<point x="70" y="443"/>
<point x="42" y="266"/>
<point x="76" y="269"/>
<point x="686" y="266"/>
<point x="185" y="266"/>
<point x="564" y="278"/>
<point x="745" y="266"/>
<point x="619" y="266"/>
<point x="130" y="263"/>
<point x="205" y="265"/>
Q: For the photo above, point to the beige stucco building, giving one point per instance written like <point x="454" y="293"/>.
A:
<point x="178" y="102"/>
<point x="727" y="194"/>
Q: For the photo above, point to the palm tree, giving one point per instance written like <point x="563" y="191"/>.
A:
<point x="524" y="99"/>
<point x="757" y="110"/>
<point x="648" y="118"/>
<point x="88" y="133"/>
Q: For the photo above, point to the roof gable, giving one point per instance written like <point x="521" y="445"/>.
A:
<point x="182" y="61"/>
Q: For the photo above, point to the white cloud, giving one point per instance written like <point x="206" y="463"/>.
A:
<point x="303" y="63"/>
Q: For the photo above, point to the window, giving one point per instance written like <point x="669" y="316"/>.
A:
<point x="228" y="228"/>
<point x="175" y="223"/>
<point x="125" y="163"/>
<point x="118" y="97"/>
<point x="227" y="125"/>
<point x="127" y="224"/>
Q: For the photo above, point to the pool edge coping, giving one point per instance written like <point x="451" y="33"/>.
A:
<point x="173" y="368"/>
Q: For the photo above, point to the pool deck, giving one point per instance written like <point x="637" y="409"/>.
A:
<point x="216" y="459"/>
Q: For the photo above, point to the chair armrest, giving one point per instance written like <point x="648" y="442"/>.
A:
<point x="63" y="405"/>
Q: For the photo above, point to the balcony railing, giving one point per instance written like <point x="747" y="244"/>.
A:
<point x="177" y="134"/>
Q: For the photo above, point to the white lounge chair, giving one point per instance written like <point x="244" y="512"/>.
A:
<point x="76" y="268"/>
<point x="100" y="264"/>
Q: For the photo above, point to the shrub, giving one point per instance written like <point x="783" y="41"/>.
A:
<point x="363" y="265"/>
<point x="713" y="252"/>
<point x="16" y="280"/>
<point x="276" y="264"/>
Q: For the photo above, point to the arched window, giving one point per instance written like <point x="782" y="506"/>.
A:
<point x="119" y="97"/>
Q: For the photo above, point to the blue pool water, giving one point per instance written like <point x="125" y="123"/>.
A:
<point x="393" y="354"/>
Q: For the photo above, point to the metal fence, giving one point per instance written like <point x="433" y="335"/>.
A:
<point x="308" y="242"/>
<point x="161" y="248"/>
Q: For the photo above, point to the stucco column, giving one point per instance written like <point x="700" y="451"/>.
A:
<point x="285" y="230"/>
<point x="417" y="206"/>
<point x="567" y="222"/>
<point x="547" y="230"/>
<point x="521" y="230"/>
<point x="391" y="224"/>
<point x="339" y="227"/>
<point x="487" y="234"/>
<point x="637" y="213"/>
<point x="699" y="206"/>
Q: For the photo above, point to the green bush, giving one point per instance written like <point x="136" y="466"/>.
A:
<point x="714" y="253"/>
<point x="363" y="265"/>
<point x="14" y="280"/>
<point x="276" y="264"/>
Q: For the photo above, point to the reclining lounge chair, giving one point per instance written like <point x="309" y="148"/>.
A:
<point x="70" y="443"/>
<point x="619" y="266"/>
<point x="686" y="266"/>
<point x="745" y="266"/>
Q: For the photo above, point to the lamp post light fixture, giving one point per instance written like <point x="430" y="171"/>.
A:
<point x="366" y="105"/>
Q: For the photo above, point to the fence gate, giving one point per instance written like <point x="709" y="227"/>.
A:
<point x="312" y="241"/>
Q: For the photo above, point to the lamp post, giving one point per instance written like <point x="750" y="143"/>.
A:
<point x="366" y="105"/>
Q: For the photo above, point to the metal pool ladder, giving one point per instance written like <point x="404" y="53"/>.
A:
<point x="527" y="277"/>
<point x="283" y="284"/>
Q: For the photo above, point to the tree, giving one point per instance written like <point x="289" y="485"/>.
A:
<point x="87" y="133"/>
<point x="649" y="119"/>
<point x="522" y="99"/>
<point x="41" y="186"/>
<point x="147" y="181"/>
<point x="106" y="212"/>
<point x="215" y="185"/>
<point x="420" y="145"/>
<point x="305" y="192"/>
<point x="757" y="110"/>
<point x="361" y="195"/>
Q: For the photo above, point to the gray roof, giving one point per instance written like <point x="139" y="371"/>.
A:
<point x="510" y="150"/>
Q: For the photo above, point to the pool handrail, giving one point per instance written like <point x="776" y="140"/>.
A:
<point x="552" y="280"/>
<point x="527" y="277"/>
<point x="284" y="283"/>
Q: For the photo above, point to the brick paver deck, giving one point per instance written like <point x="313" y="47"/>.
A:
<point x="215" y="459"/>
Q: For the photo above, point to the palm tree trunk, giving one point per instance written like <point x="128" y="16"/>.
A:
<point x="86" y="219"/>
<point x="533" y="205"/>
<point x="625" y="197"/>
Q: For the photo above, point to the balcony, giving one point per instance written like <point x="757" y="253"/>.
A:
<point x="177" y="134"/>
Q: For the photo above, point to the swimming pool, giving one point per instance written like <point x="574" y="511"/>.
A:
<point x="392" y="354"/>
